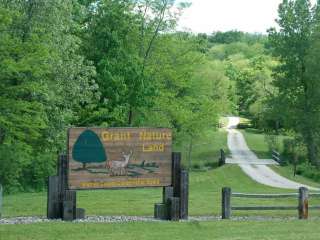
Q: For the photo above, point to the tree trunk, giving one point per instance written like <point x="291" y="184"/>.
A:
<point x="295" y="163"/>
<point x="312" y="150"/>
<point x="130" y="116"/>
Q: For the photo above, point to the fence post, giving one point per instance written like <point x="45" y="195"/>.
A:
<point x="226" y="203"/>
<point x="53" y="198"/>
<point x="1" y="190"/>
<point x="69" y="205"/>
<point x="222" y="159"/>
<point x="303" y="203"/>
<point x="161" y="210"/>
<point x="176" y="171"/>
<point x="184" y="194"/>
<point x="174" y="208"/>
<point x="62" y="169"/>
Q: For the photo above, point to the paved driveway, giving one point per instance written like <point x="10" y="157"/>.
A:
<point x="254" y="167"/>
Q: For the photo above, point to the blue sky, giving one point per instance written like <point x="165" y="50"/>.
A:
<point x="223" y="15"/>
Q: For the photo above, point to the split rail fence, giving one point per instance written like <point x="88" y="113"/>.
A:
<point x="302" y="196"/>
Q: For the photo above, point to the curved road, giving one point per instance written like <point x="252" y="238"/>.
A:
<point x="248" y="161"/>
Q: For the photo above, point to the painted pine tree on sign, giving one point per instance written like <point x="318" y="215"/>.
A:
<point x="88" y="149"/>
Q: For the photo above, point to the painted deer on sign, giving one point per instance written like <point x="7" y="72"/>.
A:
<point x="119" y="167"/>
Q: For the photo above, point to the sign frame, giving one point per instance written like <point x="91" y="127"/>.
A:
<point x="144" y="182"/>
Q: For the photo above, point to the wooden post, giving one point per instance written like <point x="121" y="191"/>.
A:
<point x="222" y="159"/>
<point x="226" y="203"/>
<point x="60" y="182"/>
<point x="161" y="211"/>
<point x="174" y="208"/>
<point x="166" y="194"/>
<point x="303" y="203"/>
<point x="62" y="169"/>
<point x="184" y="194"/>
<point x="176" y="170"/>
<point x="80" y="213"/>
<point x="53" y="198"/>
<point x="1" y="199"/>
<point x="70" y="205"/>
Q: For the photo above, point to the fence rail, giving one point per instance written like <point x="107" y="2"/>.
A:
<point x="302" y="196"/>
<point x="249" y="195"/>
<point x="265" y="208"/>
<point x="276" y="156"/>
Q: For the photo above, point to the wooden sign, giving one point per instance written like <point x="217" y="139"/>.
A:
<point x="119" y="157"/>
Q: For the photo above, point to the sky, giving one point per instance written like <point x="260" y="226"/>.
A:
<point x="207" y="16"/>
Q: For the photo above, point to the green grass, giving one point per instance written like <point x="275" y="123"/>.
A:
<point x="205" y="199"/>
<point x="287" y="171"/>
<point x="206" y="149"/>
<point x="256" y="141"/>
<point x="222" y="230"/>
<point x="223" y="122"/>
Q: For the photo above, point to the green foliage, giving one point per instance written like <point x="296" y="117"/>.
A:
<point x="41" y="83"/>
<point x="119" y="63"/>
<point x="296" y="102"/>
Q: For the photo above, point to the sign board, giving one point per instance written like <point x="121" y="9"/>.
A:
<point x="119" y="157"/>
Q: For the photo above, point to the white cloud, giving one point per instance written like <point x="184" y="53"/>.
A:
<point x="223" y="15"/>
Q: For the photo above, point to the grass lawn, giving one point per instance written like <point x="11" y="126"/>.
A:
<point x="206" y="149"/>
<point x="287" y="171"/>
<point x="222" y="230"/>
<point x="256" y="141"/>
<point x="205" y="199"/>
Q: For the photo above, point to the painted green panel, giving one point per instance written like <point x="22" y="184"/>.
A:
<point x="88" y="148"/>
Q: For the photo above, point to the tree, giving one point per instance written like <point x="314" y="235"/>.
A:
<point x="121" y="51"/>
<point x="43" y="80"/>
<point x="296" y="97"/>
<point x="88" y="149"/>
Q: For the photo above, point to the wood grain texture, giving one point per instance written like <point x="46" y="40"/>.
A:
<point x="135" y="157"/>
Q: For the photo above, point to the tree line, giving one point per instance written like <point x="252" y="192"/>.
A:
<point x="118" y="63"/>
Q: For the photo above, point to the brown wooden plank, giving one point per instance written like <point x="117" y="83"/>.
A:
<point x="148" y="151"/>
<point x="303" y="208"/>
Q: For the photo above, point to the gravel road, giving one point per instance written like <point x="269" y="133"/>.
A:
<point x="126" y="219"/>
<point x="258" y="172"/>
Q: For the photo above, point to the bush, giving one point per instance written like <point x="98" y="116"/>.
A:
<point x="22" y="169"/>
<point x="309" y="171"/>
